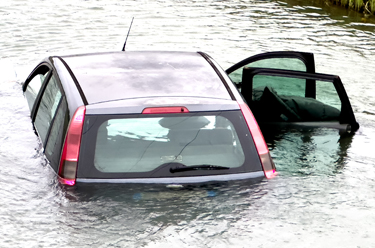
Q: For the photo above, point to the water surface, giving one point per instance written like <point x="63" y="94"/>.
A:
<point x="323" y="195"/>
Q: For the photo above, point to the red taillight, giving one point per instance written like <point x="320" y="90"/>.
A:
<point x="270" y="174"/>
<point x="70" y="154"/>
<point x="264" y="154"/>
<point x="165" y="110"/>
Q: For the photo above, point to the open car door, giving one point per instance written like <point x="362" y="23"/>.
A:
<point x="282" y="88"/>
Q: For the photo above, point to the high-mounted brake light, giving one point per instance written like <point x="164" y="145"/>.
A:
<point x="263" y="152"/>
<point x="165" y="110"/>
<point x="70" y="154"/>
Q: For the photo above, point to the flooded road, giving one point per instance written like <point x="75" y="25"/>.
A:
<point x="323" y="196"/>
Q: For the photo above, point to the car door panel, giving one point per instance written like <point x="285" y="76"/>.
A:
<point x="276" y="96"/>
<point x="282" y="88"/>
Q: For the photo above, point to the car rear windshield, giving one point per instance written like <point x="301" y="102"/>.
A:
<point x="123" y="146"/>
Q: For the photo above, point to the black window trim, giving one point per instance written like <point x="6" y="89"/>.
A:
<point x="34" y="73"/>
<point x="38" y="99"/>
<point x="208" y="59"/>
<point x="84" y="99"/>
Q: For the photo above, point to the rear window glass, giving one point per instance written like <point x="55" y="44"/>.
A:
<point x="143" y="145"/>
<point x="139" y="145"/>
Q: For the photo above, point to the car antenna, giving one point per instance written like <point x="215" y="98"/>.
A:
<point x="123" y="48"/>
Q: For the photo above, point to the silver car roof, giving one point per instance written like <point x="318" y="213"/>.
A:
<point x="106" y="77"/>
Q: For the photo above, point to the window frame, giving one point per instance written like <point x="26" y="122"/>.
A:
<point x="306" y="58"/>
<point x="62" y="106"/>
<point x="46" y="83"/>
<point x="50" y="73"/>
<point x="34" y="73"/>
<point x="347" y="114"/>
<point x="86" y="167"/>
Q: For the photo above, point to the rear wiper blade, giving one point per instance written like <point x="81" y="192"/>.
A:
<point x="198" y="167"/>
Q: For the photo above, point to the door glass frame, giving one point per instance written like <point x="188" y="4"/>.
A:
<point x="346" y="116"/>
<point x="306" y="58"/>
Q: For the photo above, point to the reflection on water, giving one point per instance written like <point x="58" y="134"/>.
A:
<point x="345" y="16"/>
<point x="140" y="213"/>
<point x="314" y="151"/>
<point x="323" y="196"/>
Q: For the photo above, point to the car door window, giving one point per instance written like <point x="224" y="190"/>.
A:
<point x="272" y="63"/>
<point x="296" y="61"/>
<point x="327" y="94"/>
<point x="34" y="85"/>
<point x="56" y="136"/>
<point x="280" y="63"/>
<point x="282" y="85"/>
<point x="47" y="108"/>
<point x="276" y="96"/>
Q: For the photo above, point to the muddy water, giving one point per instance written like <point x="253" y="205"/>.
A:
<point x="323" y="195"/>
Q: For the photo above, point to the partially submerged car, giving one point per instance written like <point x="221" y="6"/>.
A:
<point x="168" y="117"/>
<point x="144" y="117"/>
